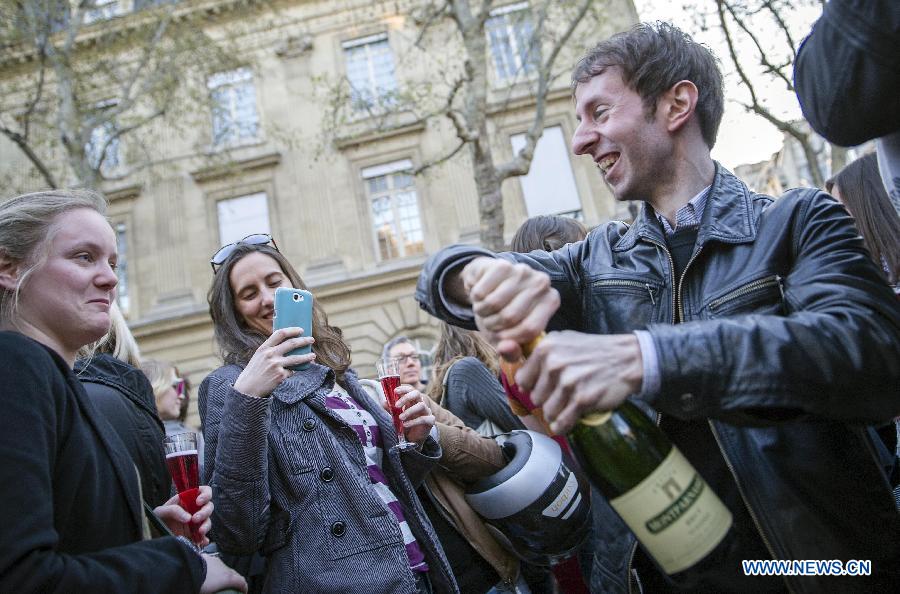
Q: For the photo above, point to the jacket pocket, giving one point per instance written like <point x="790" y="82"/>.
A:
<point x="295" y="453"/>
<point x="760" y="296"/>
<point x="623" y="304"/>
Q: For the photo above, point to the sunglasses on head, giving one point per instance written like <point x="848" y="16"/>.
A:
<point x="226" y="250"/>
<point x="178" y="384"/>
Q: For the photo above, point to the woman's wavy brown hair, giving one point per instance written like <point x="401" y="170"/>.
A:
<point x="238" y="342"/>
<point x="454" y="344"/>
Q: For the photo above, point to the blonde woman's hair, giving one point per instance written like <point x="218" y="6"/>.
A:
<point x="161" y="375"/>
<point x="26" y="230"/>
<point x="118" y="342"/>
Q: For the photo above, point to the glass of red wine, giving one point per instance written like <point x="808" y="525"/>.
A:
<point x="389" y="376"/>
<point x="183" y="464"/>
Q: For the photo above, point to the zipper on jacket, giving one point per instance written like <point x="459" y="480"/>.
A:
<point x="614" y="282"/>
<point x="749" y="288"/>
<point x="679" y="300"/>
<point x="753" y="517"/>
<point x="671" y="268"/>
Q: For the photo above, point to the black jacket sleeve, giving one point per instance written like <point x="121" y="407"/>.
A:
<point x="834" y="355"/>
<point x="847" y="72"/>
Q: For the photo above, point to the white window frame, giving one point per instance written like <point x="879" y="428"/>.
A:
<point x="367" y="95"/>
<point x="103" y="10"/>
<point x="550" y="176"/>
<point x="518" y="64"/>
<point x="227" y="129"/>
<point x="389" y="170"/>
<point x="255" y="223"/>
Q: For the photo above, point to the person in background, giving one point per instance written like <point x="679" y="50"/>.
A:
<point x="110" y="372"/>
<point x="72" y="513"/>
<point x="186" y="401"/>
<point x="858" y="187"/>
<point x="466" y="384"/>
<point x="546" y="232"/>
<point x="478" y="561"/>
<point x="302" y="462"/>
<point x="404" y="351"/>
<point x="170" y="392"/>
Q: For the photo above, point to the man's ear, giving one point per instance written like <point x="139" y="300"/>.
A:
<point x="680" y="102"/>
<point x="9" y="272"/>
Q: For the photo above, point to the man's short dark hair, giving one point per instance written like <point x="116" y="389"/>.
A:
<point x="652" y="58"/>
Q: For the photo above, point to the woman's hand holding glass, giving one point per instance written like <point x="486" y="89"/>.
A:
<point x="178" y="520"/>
<point x="416" y="416"/>
<point x="269" y="365"/>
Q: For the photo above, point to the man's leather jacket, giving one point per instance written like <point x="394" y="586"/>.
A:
<point x="782" y="332"/>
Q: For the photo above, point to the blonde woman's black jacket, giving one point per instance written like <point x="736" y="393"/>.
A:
<point x="124" y="396"/>
<point x="788" y="343"/>
<point x="71" y="513"/>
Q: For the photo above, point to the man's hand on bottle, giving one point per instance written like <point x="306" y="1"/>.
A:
<point x="571" y="374"/>
<point x="512" y="303"/>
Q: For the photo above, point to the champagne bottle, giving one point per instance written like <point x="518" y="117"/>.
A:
<point x="674" y="514"/>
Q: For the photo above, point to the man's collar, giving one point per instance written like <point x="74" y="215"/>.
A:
<point x="727" y="217"/>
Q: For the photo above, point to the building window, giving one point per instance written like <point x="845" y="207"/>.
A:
<point x="549" y="188"/>
<point x="102" y="10"/>
<point x="370" y="72"/>
<point x="103" y="147"/>
<point x="243" y="216"/>
<point x="395" y="209"/>
<point x="142" y="4"/>
<point x="123" y="295"/>
<point x="235" y="118"/>
<point x="510" y="33"/>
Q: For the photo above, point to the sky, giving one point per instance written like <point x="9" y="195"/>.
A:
<point x="743" y="137"/>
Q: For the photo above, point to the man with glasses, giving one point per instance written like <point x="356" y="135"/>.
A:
<point x="407" y="356"/>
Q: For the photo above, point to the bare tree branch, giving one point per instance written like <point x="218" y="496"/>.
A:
<point x="33" y="157"/>
<point x="776" y="15"/>
<point x="521" y="163"/>
<point x="440" y="161"/>
<point x="756" y="106"/>
<point x="763" y="57"/>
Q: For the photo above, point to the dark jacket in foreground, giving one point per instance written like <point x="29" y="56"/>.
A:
<point x="289" y="480"/>
<point x="71" y="516"/>
<point x="788" y="344"/>
<point x="124" y="396"/>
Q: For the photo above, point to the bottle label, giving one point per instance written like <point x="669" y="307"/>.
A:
<point x="674" y="514"/>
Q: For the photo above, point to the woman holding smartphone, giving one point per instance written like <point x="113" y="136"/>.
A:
<point x="302" y="463"/>
<point x="72" y="512"/>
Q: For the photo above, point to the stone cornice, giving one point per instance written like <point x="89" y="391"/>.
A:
<point x="236" y="167"/>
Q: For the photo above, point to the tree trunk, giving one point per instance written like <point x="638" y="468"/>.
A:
<point x="838" y="158"/>
<point x="812" y="159"/>
<point x="490" y="199"/>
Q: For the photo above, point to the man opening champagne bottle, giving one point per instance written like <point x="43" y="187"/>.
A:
<point x="758" y="329"/>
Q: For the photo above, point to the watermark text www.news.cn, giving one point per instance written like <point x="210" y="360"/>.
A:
<point x="806" y="567"/>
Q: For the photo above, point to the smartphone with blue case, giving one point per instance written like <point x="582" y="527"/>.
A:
<point x="293" y="308"/>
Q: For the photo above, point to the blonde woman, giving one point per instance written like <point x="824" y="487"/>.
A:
<point x="71" y="514"/>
